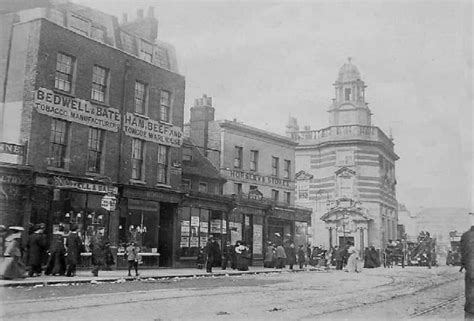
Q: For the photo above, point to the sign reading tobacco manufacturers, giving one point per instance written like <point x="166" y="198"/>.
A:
<point x="152" y="130"/>
<point x="76" y="110"/>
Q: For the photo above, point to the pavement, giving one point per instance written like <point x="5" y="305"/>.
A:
<point x="85" y="276"/>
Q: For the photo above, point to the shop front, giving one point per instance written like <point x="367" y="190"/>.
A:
<point x="200" y="217"/>
<point x="148" y="218"/>
<point x="15" y="194"/>
<point x="60" y="200"/>
<point x="288" y="225"/>
<point x="246" y="223"/>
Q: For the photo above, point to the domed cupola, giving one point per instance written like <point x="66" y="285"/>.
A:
<point x="349" y="106"/>
<point x="348" y="72"/>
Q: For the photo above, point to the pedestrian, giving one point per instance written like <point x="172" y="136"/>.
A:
<point x="291" y="255"/>
<point x="108" y="256"/>
<point x="243" y="256"/>
<point x="301" y="256"/>
<point x="227" y="254"/>
<point x="36" y="249"/>
<point x="57" y="252"/>
<point x="338" y="257"/>
<point x="97" y="248"/>
<point x="467" y="262"/>
<point x="201" y="258"/>
<point x="74" y="247"/>
<point x="12" y="266"/>
<point x="268" y="262"/>
<point x="280" y="256"/>
<point x="132" y="258"/>
<point x="353" y="260"/>
<point x="371" y="258"/>
<point x="212" y="251"/>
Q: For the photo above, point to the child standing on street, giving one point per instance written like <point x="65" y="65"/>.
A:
<point x="132" y="257"/>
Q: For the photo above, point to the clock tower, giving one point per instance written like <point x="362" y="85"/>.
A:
<point x="349" y="106"/>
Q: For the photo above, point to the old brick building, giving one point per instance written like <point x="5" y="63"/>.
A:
<point x="97" y="106"/>
<point x="259" y="170"/>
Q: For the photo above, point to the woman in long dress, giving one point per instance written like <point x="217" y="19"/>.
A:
<point x="13" y="266"/>
<point x="353" y="260"/>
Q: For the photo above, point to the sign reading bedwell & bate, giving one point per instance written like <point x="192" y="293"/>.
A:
<point x="151" y="130"/>
<point x="76" y="110"/>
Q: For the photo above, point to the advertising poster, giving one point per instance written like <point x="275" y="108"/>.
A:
<point x="257" y="239"/>
<point x="185" y="228"/>
<point x="300" y="227"/>
<point x="204" y="227"/>
<point x="203" y="241"/>
<point x="216" y="226"/>
<point x="194" y="241"/>
<point x="184" y="241"/>
<point x="224" y="227"/>
<point x="194" y="220"/>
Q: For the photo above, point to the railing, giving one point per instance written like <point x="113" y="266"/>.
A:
<point x="344" y="132"/>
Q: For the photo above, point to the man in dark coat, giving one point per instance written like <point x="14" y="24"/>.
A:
<point x="212" y="253"/>
<point x="467" y="261"/>
<point x="57" y="261"/>
<point x="339" y="257"/>
<point x="74" y="249"/>
<point x="36" y="248"/>
<point x="227" y="254"/>
<point x="98" y="255"/>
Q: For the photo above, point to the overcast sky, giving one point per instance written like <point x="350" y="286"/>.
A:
<point x="261" y="61"/>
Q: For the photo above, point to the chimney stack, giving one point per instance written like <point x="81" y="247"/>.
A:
<point x="151" y="12"/>
<point x="124" y="18"/>
<point x="140" y="13"/>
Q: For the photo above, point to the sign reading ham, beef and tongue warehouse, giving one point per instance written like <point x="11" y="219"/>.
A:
<point x="152" y="130"/>
<point x="76" y="110"/>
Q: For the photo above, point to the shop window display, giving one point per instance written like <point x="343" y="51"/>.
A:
<point x="196" y="226"/>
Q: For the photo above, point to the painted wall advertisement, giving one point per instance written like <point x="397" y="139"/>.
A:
<point x="76" y="110"/>
<point x="257" y="239"/>
<point x="151" y="130"/>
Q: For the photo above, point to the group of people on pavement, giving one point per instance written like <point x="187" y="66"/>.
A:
<point x="237" y="256"/>
<point x="58" y="258"/>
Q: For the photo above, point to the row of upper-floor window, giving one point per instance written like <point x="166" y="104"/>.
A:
<point x="201" y="186"/>
<point x="60" y="149"/>
<point x="65" y="76"/>
<point x="136" y="46"/>
<point x="254" y="163"/>
<point x="275" y="194"/>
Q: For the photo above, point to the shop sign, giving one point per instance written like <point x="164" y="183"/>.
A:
<point x="151" y="130"/>
<point x="7" y="148"/>
<point x="76" y="110"/>
<point x="63" y="182"/>
<point x="252" y="177"/>
<point x="108" y="202"/>
<point x="14" y="179"/>
<point x="255" y="194"/>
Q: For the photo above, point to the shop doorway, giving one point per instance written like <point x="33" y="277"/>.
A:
<point x="165" y="239"/>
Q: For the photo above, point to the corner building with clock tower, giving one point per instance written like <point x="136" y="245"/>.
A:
<point x="346" y="171"/>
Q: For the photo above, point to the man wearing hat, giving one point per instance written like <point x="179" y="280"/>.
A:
<point x="467" y="261"/>
<point x="36" y="248"/>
